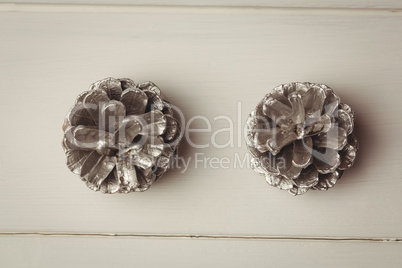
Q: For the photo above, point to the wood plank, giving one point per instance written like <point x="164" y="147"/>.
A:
<point x="205" y="63"/>
<point x="255" y="3"/>
<point x="118" y="252"/>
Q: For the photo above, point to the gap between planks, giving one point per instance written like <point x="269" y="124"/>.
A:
<point x="195" y="236"/>
<point x="188" y="9"/>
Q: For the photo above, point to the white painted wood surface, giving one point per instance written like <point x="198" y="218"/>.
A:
<point x="205" y="62"/>
<point x="242" y="3"/>
<point x="139" y="252"/>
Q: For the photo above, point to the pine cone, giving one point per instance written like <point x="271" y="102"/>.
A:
<point x="300" y="137"/>
<point x="119" y="136"/>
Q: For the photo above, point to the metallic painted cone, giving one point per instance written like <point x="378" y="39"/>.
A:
<point x="300" y="137"/>
<point x="120" y="137"/>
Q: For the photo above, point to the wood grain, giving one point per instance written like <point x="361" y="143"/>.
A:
<point x="118" y="252"/>
<point x="256" y="3"/>
<point x="205" y="64"/>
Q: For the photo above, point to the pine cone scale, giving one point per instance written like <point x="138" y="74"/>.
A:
<point x="75" y="160"/>
<point x="135" y="101"/>
<point x="308" y="179"/>
<point x="326" y="160"/>
<point x="313" y="100"/>
<point x="91" y="104"/>
<point x="287" y="169"/>
<point x="298" y="110"/>
<point x="302" y="152"/>
<point x="335" y="138"/>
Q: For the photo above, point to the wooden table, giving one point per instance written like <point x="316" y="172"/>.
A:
<point x="213" y="59"/>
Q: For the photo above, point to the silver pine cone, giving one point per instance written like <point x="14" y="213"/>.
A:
<point x="120" y="136"/>
<point x="300" y="137"/>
